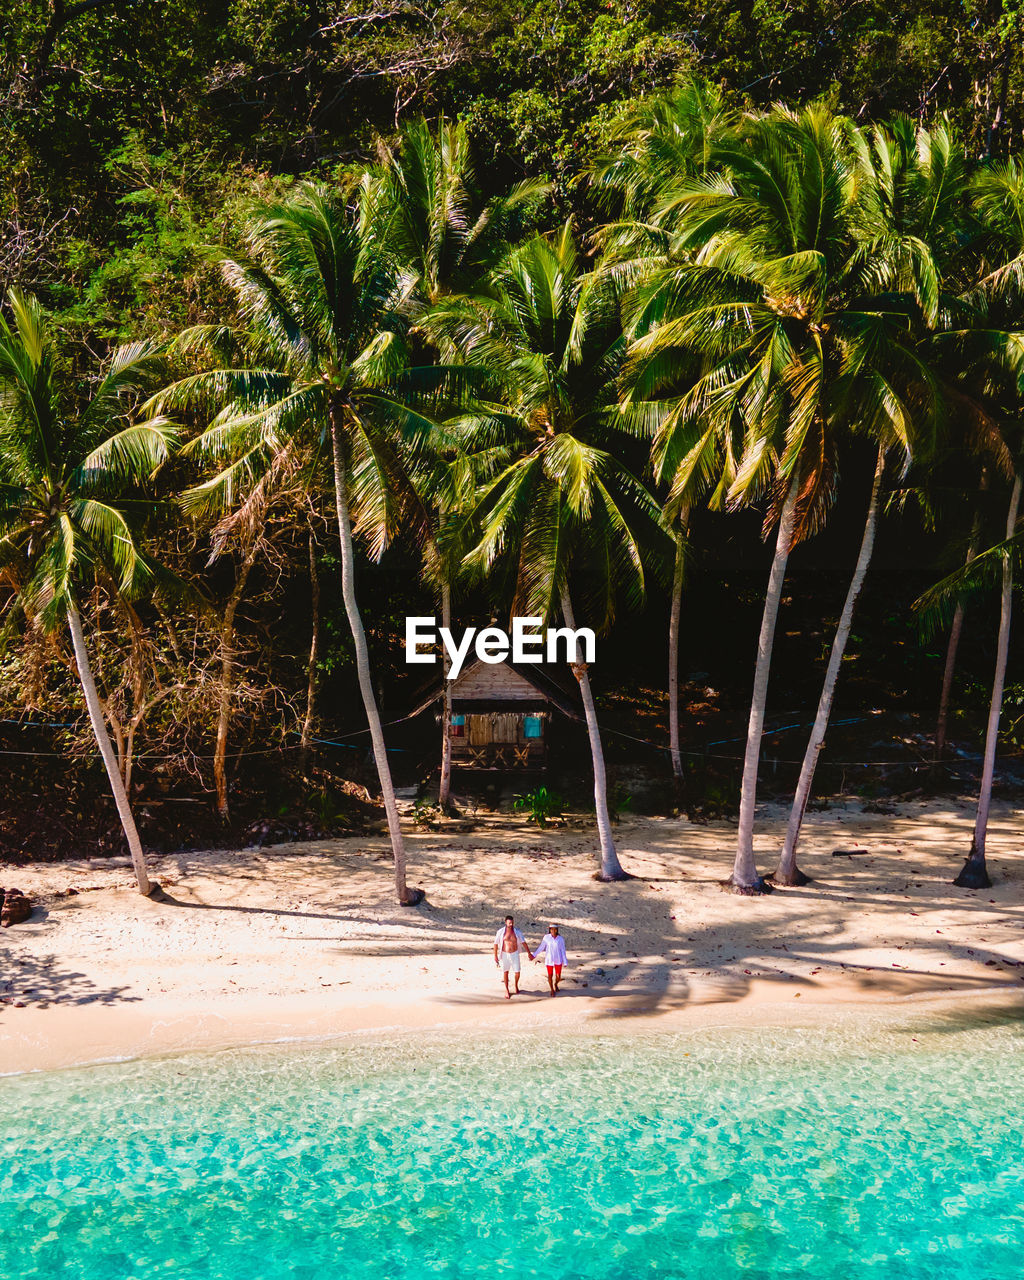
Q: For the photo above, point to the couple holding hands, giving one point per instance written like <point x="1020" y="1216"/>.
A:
<point x="509" y="945"/>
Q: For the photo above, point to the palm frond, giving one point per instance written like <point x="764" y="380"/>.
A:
<point x="134" y="454"/>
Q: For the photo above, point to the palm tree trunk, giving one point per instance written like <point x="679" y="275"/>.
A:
<point x="406" y="897"/>
<point x="673" y="651"/>
<point x="227" y="681"/>
<point x="787" y="872"/>
<point x="139" y="703"/>
<point x="942" y="719"/>
<point x="975" y="873"/>
<point x="129" y="758"/>
<point x="306" y="739"/>
<point x="955" y="630"/>
<point x="115" y="728"/>
<point x="445" y="784"/>
<point x="92" y="702"/>
<point x="744" y="877"/>
<point x="611" y="868"/>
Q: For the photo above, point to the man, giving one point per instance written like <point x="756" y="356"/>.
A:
<point x="552" y="947"/>
<point x="509" y="944"/>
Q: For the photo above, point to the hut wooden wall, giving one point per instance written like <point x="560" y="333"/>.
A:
<point x="501" y="726"/>
<point x="497" y="739"/>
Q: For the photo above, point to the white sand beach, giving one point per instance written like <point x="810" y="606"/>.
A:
<point x="305" y="940"/>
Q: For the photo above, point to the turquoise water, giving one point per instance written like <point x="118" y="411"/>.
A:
<point x="846" y="1153"/>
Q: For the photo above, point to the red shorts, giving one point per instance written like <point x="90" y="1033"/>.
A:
<point x="555" y="969"/>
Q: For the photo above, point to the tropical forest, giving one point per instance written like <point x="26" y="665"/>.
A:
<point x="698" y="325"/>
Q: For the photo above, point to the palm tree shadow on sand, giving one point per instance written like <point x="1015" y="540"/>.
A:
<point x="39" y="982"/>
<point x="689" y="964"/>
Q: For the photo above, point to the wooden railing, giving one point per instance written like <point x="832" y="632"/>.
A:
<point x="496" y="755"/>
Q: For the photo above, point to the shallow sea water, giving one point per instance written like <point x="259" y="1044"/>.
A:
<point x="884" y="1152"/>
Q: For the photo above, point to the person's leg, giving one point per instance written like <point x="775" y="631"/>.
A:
<point x="558" y="976"/>
<point x="504" y="974"/>
<point x="516" y="967"/>
<point x="551" y="979"/>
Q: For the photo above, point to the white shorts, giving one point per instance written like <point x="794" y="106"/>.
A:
<point x="510" y="961"/>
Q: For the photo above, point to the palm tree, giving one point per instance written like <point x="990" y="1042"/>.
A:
<point x="564" y="509"/>
<point x="953" y="641"/>
<point x="445" y="478"/>
<point x="320" y="366"/>
<point x="974" y="874"/>
<point x="438" y="223"/>
<point x="692" y="459"/>
<point x="65" y="472"/>
<point x="994" y="564"/>
<point x="908" y="208"/>
<point x="447" y="235"/>
<point x="658" y="145"/>
<point x="990" y="354"/>
<point x="767" y="289"/>
<point x="787" y="872"/>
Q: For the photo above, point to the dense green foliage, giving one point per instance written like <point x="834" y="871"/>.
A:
<point x="541" y="298"/>
<point x="129" y="132"/>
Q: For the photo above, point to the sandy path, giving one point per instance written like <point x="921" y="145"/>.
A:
<point x="302" y="940"/>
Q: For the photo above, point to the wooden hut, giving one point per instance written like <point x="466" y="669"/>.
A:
<point x="502" y="714"/>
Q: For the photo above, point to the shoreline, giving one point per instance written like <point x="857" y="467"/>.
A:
<point x="303" y="942"/>
<point x="120" y="1040"/>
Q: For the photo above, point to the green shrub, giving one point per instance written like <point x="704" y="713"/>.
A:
<point x="540" y="804"/>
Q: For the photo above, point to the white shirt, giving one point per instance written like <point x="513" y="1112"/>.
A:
<point x="552" y="948"/>
<point x="500" y="935"/>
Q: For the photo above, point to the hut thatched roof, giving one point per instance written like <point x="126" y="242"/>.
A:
<point x="503" y="686"/>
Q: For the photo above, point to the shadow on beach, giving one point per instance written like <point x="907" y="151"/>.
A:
<point x="887" y="924"/>
<point x="635" y="944"/>
<point x="40" y="982"/>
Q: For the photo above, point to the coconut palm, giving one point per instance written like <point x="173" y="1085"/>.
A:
<point x="981" y="571"/>
<point x="565" y="510"/>
<point x="796" y="346"/>
<point x="439" y="224"/>
<point x="692" y="459"/>
<point x="953" y="640"/>
<point x="445" y="477"/>
<point x="66" y="470"/>
<point x="990" y="354"/>
<point x="907" y="213"/>
<point x="658" y="145"/>
<point x="320" y="366"/>
<point x="974" y="874"/>
<point x="446" y="234"/>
